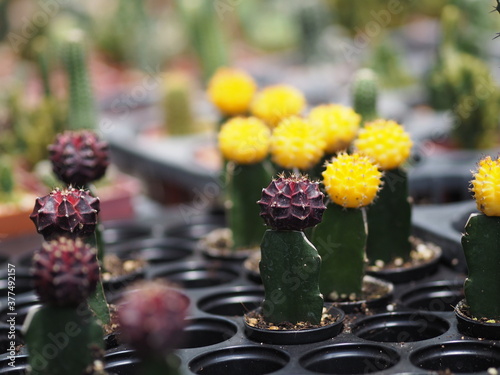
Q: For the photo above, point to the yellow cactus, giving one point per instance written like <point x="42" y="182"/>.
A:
<point x="386" y="142"/>
<point x="275" y="103"/>
<point x="231" y="91"/>
<point x="340" y="124"/>
<point x="352" y="180"/>
<point x="297" y="143"/>
<point x="244" y="140"/>
<point x="485" y="186"/>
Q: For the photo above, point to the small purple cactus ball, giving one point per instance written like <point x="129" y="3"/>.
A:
<point x="292" y="203"/>
<point x="152" y="317"/>
<point x="65" y="272"/>
<point x="70" y="212"/>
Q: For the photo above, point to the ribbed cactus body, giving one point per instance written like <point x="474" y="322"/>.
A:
<point x="82" y="113"/>
<point x="365" y="94"/>
<point x="71" y="335"/>
<point x="289" y="269"/>
<point x="482" y="286"/>
<point x="6" y="178"/>
<point x="389" y="219"/>
<point x="244" y="186"/>
<point x="341" y="241"/>
<point x="179" y="118"/>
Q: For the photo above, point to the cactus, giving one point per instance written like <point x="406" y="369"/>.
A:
<point x="205" y="34"/>
<point x="297" y="143"/>
<point x="4" y="19"/>
<point x="231" y="91"/>
<point x="290" y="264"/>
<point x="365" y="94"/>
<point x="389" y="217"/>
<point x="82" y="113"/>
<point x="79" y="157"/>
<point x="480" y="244"/>
<point x="177" y="105"/>
<point x="387" y="64"/>
<point x="244" y="143"/>
<point x="351" y="182"/>
<point x="6" y="179"/>
<point x="275" y="103"/>
<point x="65" y="274"/>
<point x="152" y="317"/>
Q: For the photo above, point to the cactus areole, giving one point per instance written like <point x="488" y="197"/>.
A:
<point x="70" y="212"/>
<point x="290" y="264"/>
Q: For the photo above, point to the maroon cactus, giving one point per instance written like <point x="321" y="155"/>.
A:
<point x="292" y="203"/>
<point x="79" y="157"/>
<point x="70" y="212"/>
<point x="65" y="272"/>
<point x="151" y="317"/>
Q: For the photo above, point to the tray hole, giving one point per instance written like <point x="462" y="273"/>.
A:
<point x="205" y="332"/>
<point x="232" y="303"/>
<point x="400" y="327"/>
<point x="123" y="231"/>
<point x="457" y="357"/>
<point x="21" y="366"/>
<point x="154" y="250"/>
<point x="240" y="360"/>
<point x="123" y="362"/>
<point x="5" y="331"/>
<point x="23" y="306"/>
<point x="435" y="296"/>
<point x="350" y="359"/>
<point x="192" y="276"/>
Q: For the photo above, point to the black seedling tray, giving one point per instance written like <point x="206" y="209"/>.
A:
<point x="414" y="334"/>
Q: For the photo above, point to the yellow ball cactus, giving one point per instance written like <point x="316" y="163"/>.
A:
<point x="352" y="180"/>
<point x="485" y="186"/>
<point x="340" y="125"/>
<point x="386" y="142"/>
<point x="297" y="143"/>
<point x="278" y="102"/>
<point x="244" y="140"/>
<point x="231" y="91"/>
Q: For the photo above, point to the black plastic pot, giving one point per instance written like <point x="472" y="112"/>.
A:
<point x="475" y="328"/>
<point x="297" y="337"/>
<point x="434" y="296"/>
<point x="401" y="275"/>
<point x="123" y="231"/>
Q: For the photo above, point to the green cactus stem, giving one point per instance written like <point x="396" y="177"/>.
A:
<point x="244" y="186"/>
<point x="6" y="179"/>
<point x="62" y="340"/>
<point x="389" y="220"/>
<point x="289" y="270"/>
<point x="341" y="241"/>
<point x="82" y="114"/>
<point x="179" y="118"/>
<point x="365" y="94"/>
<point x="482" y="286"/>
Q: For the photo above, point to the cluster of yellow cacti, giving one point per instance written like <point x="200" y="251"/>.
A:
<point x="272" y="121"/>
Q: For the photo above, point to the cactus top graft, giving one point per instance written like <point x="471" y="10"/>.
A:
<point x="386" y="142"/>
<point x="485" y="186"/>
<point x="231" y="91"/>
<point x="297" y="143"/>
<point x="351" y="180"/>
<point x="278" y="102"/>
<point x="244" y="140"/>
<point x="339" y="123"/>
<point x="292" y="203"/>
<point x="70" y="212"/>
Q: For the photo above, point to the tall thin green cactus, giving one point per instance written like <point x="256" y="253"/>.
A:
<point x="365" y="94"/>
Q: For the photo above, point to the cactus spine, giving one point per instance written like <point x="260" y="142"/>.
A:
<point x="365" y="94"/>
<point x="82" y="113"/>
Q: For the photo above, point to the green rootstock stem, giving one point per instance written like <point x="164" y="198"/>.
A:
<point x="97" y="300"/>
<point x="289" y="268"/>
<point x="482" y="286"/>
<point x="389" y="220"/>
<point x="159" y="366"/>
<point x="244" y="188"/>
<point x="341" y="240"/>
<point x="63" y="340"/>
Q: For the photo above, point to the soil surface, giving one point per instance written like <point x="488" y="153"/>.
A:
<point x="256" y="319"/>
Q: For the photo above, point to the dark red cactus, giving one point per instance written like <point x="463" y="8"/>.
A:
<point x="65" y="272"/>
<point x="151" y="317"/>
<point x="70" y="212"/>
<point x="292" y="203"/>
<point x="79" y="157"/>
